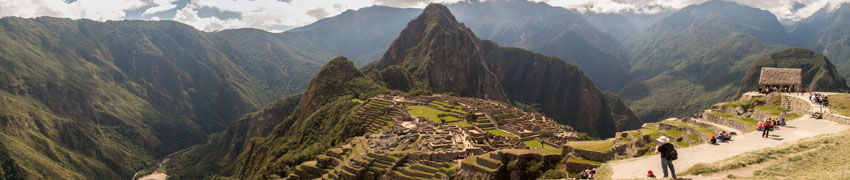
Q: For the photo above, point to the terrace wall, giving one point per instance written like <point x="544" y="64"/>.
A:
<point x="740" y="126"/>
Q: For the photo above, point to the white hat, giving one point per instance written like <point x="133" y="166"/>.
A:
<point x="663" y="139"/>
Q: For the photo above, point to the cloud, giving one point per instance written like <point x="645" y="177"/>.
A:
<point x="617" y="6"/>
<point x="318" y="13"/>
<point x="281" y="15"/>
<point x="794" y="9"/>
<point x="160" y="6"/>
<point x="783" y="9"/>
<point x="411" y="3"/>
<point x="270" y="15"/>
<point x="100" y="10"/>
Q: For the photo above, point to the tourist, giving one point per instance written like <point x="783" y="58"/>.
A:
<point x="782" y="117"/>
<point x="649" y="174"/>
<point x="726" y="137"/>
<point x="720" y="137"/>
<point x="666" y="149"/>
<point x="713" y="140"/>
<point x="585" y="174"/>
<point x="766" y="130"/>
<point x="593" y="173"/>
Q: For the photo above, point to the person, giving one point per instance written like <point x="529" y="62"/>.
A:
<point x="726" y="137"/>
<point x="593" y="173"/>
<point x="649" y="174"/>
<point x="713" y="140"/>
<point x="665" y="148"/>
<point x="720" y="137"/>
<point x="782" y="117"/>
<point x="585" y="174"/>
<point x="766" y="130"/>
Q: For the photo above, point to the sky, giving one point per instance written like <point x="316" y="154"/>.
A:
<point x="281" y="15"/>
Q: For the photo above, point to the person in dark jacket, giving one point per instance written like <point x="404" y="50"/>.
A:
<point x="665" y="148"/>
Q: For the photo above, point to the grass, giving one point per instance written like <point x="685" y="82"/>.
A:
<point x="431" y="114"/>
<point x="674" y="133"/>
<point x="537" y="144"/>
<point x="577" y="160"/>
<point x="840" y="104"/>
<point x="357" y="100"/>
<point x="598" y="145"/>
<point x="774" y="112"/>
<point x="502" y="133"/>
<point x="527" y="151"/>
<point x="651" y="129"/>
<point x="827" y="162"/>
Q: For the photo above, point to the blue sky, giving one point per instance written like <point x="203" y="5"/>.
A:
<point x="281" y="15"/>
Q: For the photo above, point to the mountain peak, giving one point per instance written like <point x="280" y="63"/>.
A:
<point x="437" y="10"/>
<point x="330" y="81"/>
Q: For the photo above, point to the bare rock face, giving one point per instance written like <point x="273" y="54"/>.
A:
<point x="445" y="56"/>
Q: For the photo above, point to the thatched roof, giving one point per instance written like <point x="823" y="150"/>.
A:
<point x="780" y="76"/>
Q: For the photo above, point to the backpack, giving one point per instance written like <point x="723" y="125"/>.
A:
<point x="673" y="155"/>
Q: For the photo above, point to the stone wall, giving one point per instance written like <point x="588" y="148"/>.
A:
<point x="726" y="122"/>
<point x="701" y="124"/>
<point x="759" y="115"/>
<point x="595" y="155"/>
<point x="798" y="105"/>
<point x="578" y="167"/>
<point x="837" y="118"/>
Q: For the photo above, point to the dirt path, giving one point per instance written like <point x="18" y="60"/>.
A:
<point x="705" y="153"/>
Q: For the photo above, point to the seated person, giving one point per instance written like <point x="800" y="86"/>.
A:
<point x="713" y="140"/>
<point x="726" y="137"/>
<point x="585" y="174"/>
<point x="761" y="127"/>
<point x="720" y="137"/>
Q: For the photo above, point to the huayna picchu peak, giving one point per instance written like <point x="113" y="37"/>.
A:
<point x="445" y="56"/>
<point x="414" y="90"/>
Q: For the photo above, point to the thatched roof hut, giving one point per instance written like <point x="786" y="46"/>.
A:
<point x="780" y="77"/>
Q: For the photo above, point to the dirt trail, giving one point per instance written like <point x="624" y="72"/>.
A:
<point x="803" y="127"/>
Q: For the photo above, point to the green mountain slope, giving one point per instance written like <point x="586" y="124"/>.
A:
<point x="103" y="99"/>
<point x="818" y="73"/>
<point x="696" y="57"/>
<point x="320" y="121"/>
<point x="361" y="35"/>
<point x="549" y="30"/>
<point x="826" y="32"/>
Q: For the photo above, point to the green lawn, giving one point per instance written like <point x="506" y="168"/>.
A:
<point x="651" y="129"/>
<point x="501" y="133"/>
<point x="538" y="144"/>
<point x="840" y="104"/>
<point x="598" y="145"/>
<point x="431" y="114"/>
<point x="774" y="112"/>
<point x="357" y="100"/>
